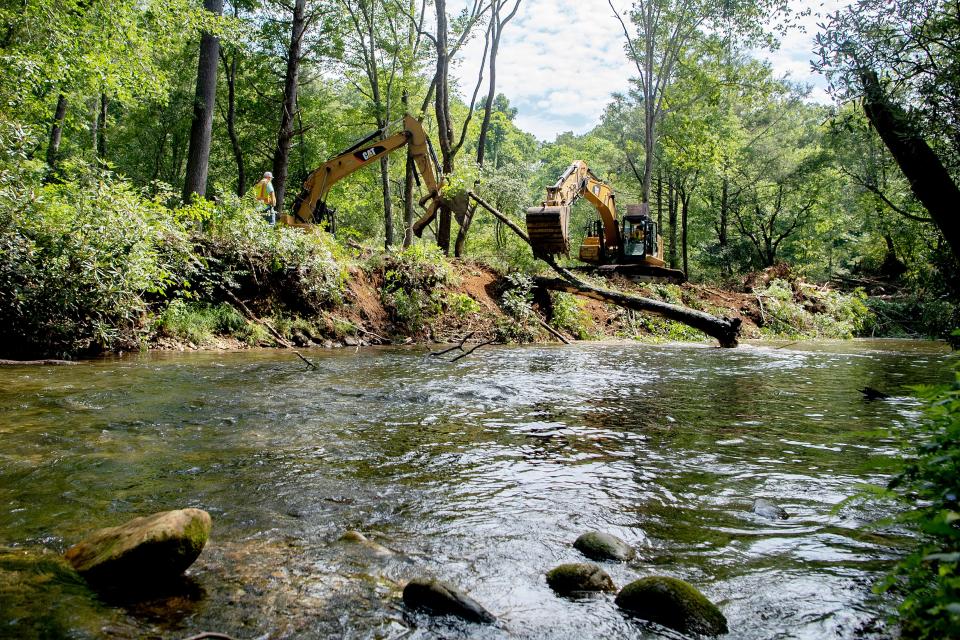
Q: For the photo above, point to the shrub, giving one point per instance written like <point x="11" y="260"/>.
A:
<point x="410" y="285"/>
<point x="79" y="260"/>
<point x="305" y="271"/>
<point x="806" y="311"/>
<point x="569" y="315"/>
<point x="199" y="322"/>
<point x="929" y="577"/>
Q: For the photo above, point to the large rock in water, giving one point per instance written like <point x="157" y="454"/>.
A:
<point x="603" y="546"/>
<point x="579" y="576"/>
<point x="769" y="510"/>
<point x="440" y="598"/>
<point x="672" y="603"/>
<point x="153" y="548"/>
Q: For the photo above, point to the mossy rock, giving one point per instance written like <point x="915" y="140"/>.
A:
<point x="577" y="577"/>
<point x="672" y="603"/>
<point x="42" y="596"/>
<point x="150" y="549"/>
<point x="441" y="598"/>
<point x="597" y="545"/>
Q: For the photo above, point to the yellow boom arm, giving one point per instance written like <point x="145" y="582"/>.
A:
<point x="547" y="224"/>
<point x="319" y="183"/>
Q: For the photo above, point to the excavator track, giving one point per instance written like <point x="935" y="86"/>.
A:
<point x="641" y="273"/>
<point x="547" y="228"/>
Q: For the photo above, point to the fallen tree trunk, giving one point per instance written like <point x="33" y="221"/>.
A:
<point x="16" y="363"/>
<point x="725" y="330"/>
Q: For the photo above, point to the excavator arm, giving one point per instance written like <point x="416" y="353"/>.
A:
<point x="547" y="225"/>
<point x="320" y="181"/>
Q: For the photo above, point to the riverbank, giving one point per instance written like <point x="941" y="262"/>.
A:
<point x="416" y="296"/>
<point x="82" y="276"/>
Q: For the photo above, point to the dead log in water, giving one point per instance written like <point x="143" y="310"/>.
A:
<point x="725" y="330"/>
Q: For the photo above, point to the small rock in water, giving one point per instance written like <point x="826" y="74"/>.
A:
<point x="579" y="576"/>
<point x="869" y="393"/>
<point x="767" y="509"/>
<point x="603" y="546"/>
<point x="358" y="538"/>
<point x="440" y="598"/>
<point x="149" y="549"/>
<point x="672" y="603"/>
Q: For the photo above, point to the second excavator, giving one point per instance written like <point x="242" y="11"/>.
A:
<point x="628" y="245"/>
<point x="310" y="206"/>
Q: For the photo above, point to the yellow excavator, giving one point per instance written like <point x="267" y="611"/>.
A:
<point x="310" y="206"/>
<point x="629" y="246"/>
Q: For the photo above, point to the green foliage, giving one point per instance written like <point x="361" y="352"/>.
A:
<point x="411" y="281"/>
<point x="199" y="322"/>
<point x="79" y="260"/>
<point x="929" y="577"/>
<point x="305" y="271"/>
<point x="806" y="311"/>
<point x="912" y="316"/>
<point x="517" y="299"/>
<point x="569" y="315"/>
<point x="461" y="305"/>
<point x="517" y="302"/>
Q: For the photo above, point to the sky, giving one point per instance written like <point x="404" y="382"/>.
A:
<point x="560" y="60"/>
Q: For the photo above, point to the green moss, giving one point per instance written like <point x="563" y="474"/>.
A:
<point x="27" y="577"/>
<point x="579" y="576"/>
<point x="672" y="603"/>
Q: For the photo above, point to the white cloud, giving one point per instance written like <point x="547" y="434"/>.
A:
<point x="560" y="60"/>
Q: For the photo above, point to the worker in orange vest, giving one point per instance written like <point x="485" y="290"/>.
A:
<point x="267" y="197"/>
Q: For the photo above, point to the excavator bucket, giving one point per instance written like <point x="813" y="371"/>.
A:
<point x="547" y="228"/>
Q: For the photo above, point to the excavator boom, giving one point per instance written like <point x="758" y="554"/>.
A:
<point x="310" y="205"/>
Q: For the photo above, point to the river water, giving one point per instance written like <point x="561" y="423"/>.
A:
<point x="480" y="472"/>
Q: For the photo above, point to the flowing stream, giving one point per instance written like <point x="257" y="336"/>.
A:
<point x="481" y="472"/>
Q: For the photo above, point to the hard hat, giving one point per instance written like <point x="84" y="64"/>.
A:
<point x="267" y="174"/>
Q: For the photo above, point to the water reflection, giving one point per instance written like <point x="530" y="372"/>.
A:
<point x="481" y="472"/>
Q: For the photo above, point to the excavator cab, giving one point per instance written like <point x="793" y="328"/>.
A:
<point x="639" y="235"/>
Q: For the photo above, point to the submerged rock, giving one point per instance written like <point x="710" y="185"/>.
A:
<point x="579" y="576"/>
<point x="597" y="545"/>
<point x="672" y="603"/>
<point x="767" y="509"/>
<point x="42" y="596"/>
<point x="358" y="538"/>
<point x="440" y="598"/>
<point x="152" y="548"/>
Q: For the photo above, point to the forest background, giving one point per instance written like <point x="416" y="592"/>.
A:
<point x="128" y="159"/>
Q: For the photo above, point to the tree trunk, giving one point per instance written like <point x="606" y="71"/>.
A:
<point x="496" y="24"/>
<point x="659" y="202"/>
<point x="102" y="127"/>
<point x="724" y="213"/>
<point x="929" y="180"/>
<point x="204" y="102"/>
<point x="56" y="132"/>
<point x="232" y="123"/>
<point x="281" y="158"/>
<point x="408" y="197"/>
<point x="387" y="202"/>
<point x="684" y="210"/>
<point x="672" y="213"/>
<point x="725" y="330"/>
<point x="94" y="121"/>
<point x="444" y="124"/>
